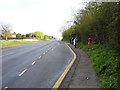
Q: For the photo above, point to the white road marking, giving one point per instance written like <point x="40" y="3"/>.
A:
<point x="39" y="57"/>
<point x="33" y="62"/>
<point x="22" y="72"/>
<point x="4" y="88"/>
<point x="44" y="53"/>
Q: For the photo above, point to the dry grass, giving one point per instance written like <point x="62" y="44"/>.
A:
<point x="13" y="43"/>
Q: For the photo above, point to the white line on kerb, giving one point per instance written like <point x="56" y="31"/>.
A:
<point x="33" y="62"/>
<point x="22" y="72"/>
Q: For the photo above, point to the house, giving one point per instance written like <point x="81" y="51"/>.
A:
<point x="13" y="35"/>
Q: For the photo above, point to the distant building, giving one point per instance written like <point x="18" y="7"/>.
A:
<point x="31" y="34"/>
<point x="13" y="35"/>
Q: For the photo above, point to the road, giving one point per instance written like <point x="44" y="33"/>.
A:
<point x="37" y="65"/>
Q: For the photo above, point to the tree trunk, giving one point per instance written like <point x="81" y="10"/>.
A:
<point x="6" y="38"/>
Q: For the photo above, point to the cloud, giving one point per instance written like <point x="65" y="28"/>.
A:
<point x="27" y="16"/>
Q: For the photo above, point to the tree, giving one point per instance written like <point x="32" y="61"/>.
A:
<point x="27" y="35"/>
<point x="23" y="36"/>
<point x="5" y="28"/>
<point x="39" y="35"/>
<point x="18" y="35"/>
<point x="100" y="20"/>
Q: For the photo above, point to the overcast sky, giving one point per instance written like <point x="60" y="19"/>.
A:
<point x="47" y="16"/>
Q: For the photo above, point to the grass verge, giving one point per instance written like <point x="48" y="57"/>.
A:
<point x="13" y="43"/>
<point x="105" y="61"/>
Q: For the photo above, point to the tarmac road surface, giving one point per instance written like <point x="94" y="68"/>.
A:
<point x="37" y="65"/>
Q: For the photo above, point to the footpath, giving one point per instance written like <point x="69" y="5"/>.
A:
<point x="84" y="75"/>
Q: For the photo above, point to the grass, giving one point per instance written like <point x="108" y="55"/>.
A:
<point x="105" y="63"/>
<point x="13" y="43"/>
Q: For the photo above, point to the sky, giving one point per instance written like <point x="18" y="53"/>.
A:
<point x="47" y="16"/>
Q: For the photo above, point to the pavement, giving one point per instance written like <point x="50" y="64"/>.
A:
<point x="83" y="75"/>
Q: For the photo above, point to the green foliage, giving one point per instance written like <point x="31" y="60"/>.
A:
<point x="105" y="63"/>
<point x="100" y="21"/>
<point x="7" y="34"/>
<point x="66" y="40"/>
<point x="67" y="33"/>
<point x="27" y="35"/>
<point x="80" y="45"/>
<point x="39" y="35"/>
<point x="18" y="35"/>
<point x="5" y="31"/>
<point x="23" y="36"/>
<point x="48" y="37"/>
<point x="12" y="43"/>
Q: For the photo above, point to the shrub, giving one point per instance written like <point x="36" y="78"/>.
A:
<point x="105" y="63"/>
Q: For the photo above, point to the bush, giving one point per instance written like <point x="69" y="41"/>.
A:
<point x="105" y="63"/>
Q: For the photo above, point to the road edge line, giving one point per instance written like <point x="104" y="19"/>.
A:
<point x="61" y="78"/>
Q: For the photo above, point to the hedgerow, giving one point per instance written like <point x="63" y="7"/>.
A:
<point x="105" y="61"/>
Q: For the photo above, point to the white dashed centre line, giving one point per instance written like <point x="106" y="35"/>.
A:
<point x="39" y="57"/>
<point x="33" y="62"/>
<point x="22" y="72"/>
<point x="4" y="88"/>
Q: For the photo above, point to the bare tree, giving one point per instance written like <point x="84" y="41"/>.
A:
<point x="5" y="30"/>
